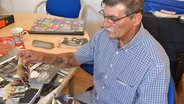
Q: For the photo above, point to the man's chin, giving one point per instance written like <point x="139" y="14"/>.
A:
<point x="112" y="36"/>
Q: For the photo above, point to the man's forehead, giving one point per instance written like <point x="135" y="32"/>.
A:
<point x="117" y="8"/>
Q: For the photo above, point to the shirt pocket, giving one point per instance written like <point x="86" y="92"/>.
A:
<point x="124" y="83"/>
<point x="124" y="86"/>
<point x="126" y="80"/>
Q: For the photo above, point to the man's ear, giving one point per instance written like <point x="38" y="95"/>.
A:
<point x="137" y="18"/>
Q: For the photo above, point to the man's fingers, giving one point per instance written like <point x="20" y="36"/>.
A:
<point x="21" y="53"/>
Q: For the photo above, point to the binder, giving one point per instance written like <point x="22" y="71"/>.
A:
<point x="6" y="20"/>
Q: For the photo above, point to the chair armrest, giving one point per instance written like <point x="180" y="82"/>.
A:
<point x="38" y="5"/>
<point x="93" y="20"/>
<point x="82" y="9"/>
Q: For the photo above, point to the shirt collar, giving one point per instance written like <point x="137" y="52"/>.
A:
<point x="136" y="39"/>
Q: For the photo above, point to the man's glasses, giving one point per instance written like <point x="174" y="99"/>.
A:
<point x="113" y="19"/>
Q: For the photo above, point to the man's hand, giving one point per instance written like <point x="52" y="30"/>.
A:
<point x="30" y="56"/>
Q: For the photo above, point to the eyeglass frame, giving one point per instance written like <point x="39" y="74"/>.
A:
<point x="114" y="20"/>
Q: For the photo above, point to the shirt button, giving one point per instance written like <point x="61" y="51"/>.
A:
<point x="103" y="87"/>
<point x="111" y="65"/>
<point x="117" y="52"/>
<point x="105" y="77"/>
<point x="126" y="50"/>
<point x="97" y="98"/>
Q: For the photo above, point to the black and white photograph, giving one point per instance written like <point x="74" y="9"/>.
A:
<point x="8" y="69"/>
<point x="43" y="73"/>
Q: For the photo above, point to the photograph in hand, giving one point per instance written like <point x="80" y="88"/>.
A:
<point x="8" y="69"/>
<point x="23" y="72"/>
<point x="42" y="73"/>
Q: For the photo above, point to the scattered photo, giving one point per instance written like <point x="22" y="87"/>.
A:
<point x="69" y="42"/>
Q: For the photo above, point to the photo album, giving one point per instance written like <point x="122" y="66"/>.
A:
<point x="64" y="26"/>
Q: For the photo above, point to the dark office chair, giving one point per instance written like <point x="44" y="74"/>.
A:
<point x="62" y="8"/>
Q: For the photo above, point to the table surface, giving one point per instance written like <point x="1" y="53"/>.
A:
<point x="25" y="21"/>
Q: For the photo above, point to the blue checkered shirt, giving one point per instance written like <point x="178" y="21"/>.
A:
<point x="137" y="73"/>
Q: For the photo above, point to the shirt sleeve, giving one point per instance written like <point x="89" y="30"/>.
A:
<point x="85" y="54"/>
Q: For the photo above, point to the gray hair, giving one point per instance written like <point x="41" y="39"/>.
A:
<point x="131" y="5"/>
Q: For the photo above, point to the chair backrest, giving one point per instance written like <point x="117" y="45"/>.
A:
<point x="88" y="68"/>
<point x="64" y="8"/>
<point x="171" y="92"/>
<point x="61" y="8"/>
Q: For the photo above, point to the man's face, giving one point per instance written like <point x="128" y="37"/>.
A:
<point x="122" y="26"/>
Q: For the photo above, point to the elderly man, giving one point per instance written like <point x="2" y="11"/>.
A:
<point x="130" y="66"/>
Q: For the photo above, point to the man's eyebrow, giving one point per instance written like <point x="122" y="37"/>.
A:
<point x="111" y="16"/>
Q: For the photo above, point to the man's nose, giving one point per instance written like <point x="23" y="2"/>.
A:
<point x="106" y="23"/>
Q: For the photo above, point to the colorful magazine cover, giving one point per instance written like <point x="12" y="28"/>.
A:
<point x="58" y="26"/>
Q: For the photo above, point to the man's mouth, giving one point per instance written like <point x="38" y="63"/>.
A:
<point x="110" y="30"/>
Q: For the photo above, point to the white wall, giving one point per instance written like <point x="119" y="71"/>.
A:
<point x="96" y="4"/>
<point x="22" y="6"/>
<point x="18" y="5"/>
